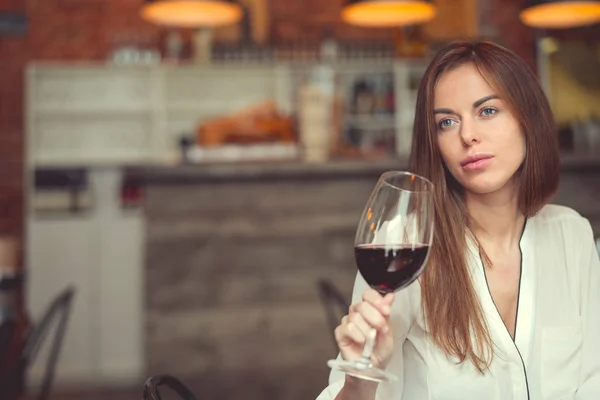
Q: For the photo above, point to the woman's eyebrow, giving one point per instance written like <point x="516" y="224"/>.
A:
<point x="484" y="99"/>
<point x="475" y="105"/>
<point x="443" y="111"/>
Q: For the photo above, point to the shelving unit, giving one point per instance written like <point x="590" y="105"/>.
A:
<point x="100" y="114"/>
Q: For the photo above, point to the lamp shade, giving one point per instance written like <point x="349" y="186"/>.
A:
<point x="387" y="13"/>
<point x="191" y="13"/>
<point x="560" y="14"/>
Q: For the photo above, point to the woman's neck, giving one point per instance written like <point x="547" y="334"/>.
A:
<point x="496" y="217"/>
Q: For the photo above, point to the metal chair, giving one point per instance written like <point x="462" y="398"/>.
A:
<point x="152" y="384"/>
<point x="59" y="309"/>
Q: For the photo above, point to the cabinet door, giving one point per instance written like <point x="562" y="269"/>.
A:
<point x="120" y="288"/>
<point x="61" y="252"/>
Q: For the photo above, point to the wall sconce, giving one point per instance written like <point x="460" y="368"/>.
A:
<point x="388" y="13"/>
<point x="560" y="14"/>
<point x="191" y="13"/>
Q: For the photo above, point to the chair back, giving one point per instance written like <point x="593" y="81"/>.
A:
<point x="151" y="387"/>
<point x="58" y="310"/>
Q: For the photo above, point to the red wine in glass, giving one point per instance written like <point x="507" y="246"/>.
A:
<point x="390" y="268"/>
<point x="391" y="248"/>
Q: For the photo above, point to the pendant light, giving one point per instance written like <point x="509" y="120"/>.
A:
<point x="560" y="14"/>
<point x="387" y="13"/>
<point x="191" y="13"/>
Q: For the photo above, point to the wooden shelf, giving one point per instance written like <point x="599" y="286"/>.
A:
<point x="98" y="114"/>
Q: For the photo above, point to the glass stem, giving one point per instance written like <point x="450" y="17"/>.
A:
<point x="368" y="349"/>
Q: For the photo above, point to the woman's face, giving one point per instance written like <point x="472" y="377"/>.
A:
<point x="479" y="138"/>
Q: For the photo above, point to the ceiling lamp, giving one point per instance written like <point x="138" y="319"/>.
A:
<point x="387" y="13"/>
<point x="557" y="14"/>
<point x="191" y="13"/>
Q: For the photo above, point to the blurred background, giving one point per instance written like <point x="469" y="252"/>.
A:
<point x="180" y="181"/>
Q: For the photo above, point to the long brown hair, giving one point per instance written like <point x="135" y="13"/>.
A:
<point x="450" y="305"/>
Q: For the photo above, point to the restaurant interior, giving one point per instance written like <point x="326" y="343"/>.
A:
<point x="181" y="180"/>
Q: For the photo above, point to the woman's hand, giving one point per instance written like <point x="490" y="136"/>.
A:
<point x="372" y="312"/>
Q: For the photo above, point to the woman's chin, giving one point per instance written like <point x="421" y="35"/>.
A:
<point x="486" y="186"/>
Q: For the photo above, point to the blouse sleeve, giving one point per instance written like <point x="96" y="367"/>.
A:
<point x="400" y="318"/>
<point x="589" y="378"/>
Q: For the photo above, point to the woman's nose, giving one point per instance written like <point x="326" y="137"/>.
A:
<point x="468" y="133"/>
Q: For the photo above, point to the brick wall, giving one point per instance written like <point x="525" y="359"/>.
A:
<point x="11" y="128"/>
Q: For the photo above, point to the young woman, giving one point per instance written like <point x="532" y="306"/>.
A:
<point x="509" y="304"/>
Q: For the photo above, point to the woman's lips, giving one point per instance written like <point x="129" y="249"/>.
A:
<point x="477" y="163"/>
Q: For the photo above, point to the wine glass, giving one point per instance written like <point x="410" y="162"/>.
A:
<point x="391" y="249"/>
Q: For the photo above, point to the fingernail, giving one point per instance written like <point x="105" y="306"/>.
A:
<point x="385" y="329"/>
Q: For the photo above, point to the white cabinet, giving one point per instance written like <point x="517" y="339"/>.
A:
<point x="101" y="254"/>
<point x="96" y="114"/>
<point x="90" y="114"/>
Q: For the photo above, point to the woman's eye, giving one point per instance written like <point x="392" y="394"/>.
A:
<point x="488" y="111"/>
<point x="445" y="123"/>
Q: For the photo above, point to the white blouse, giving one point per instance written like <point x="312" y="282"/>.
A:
<point x="556" y="351"/>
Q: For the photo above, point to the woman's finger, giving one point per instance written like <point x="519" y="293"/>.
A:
<point x="372" y="316"/>
<point x="357" y="320"/>
<point x="377" y="301"/>
<point x="349" y="333"/>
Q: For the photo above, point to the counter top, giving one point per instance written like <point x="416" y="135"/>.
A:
<point x="264" y="171"/>
<point x="298" y="170"/>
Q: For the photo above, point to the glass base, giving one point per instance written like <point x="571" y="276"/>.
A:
<point x="362" y="370"/>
